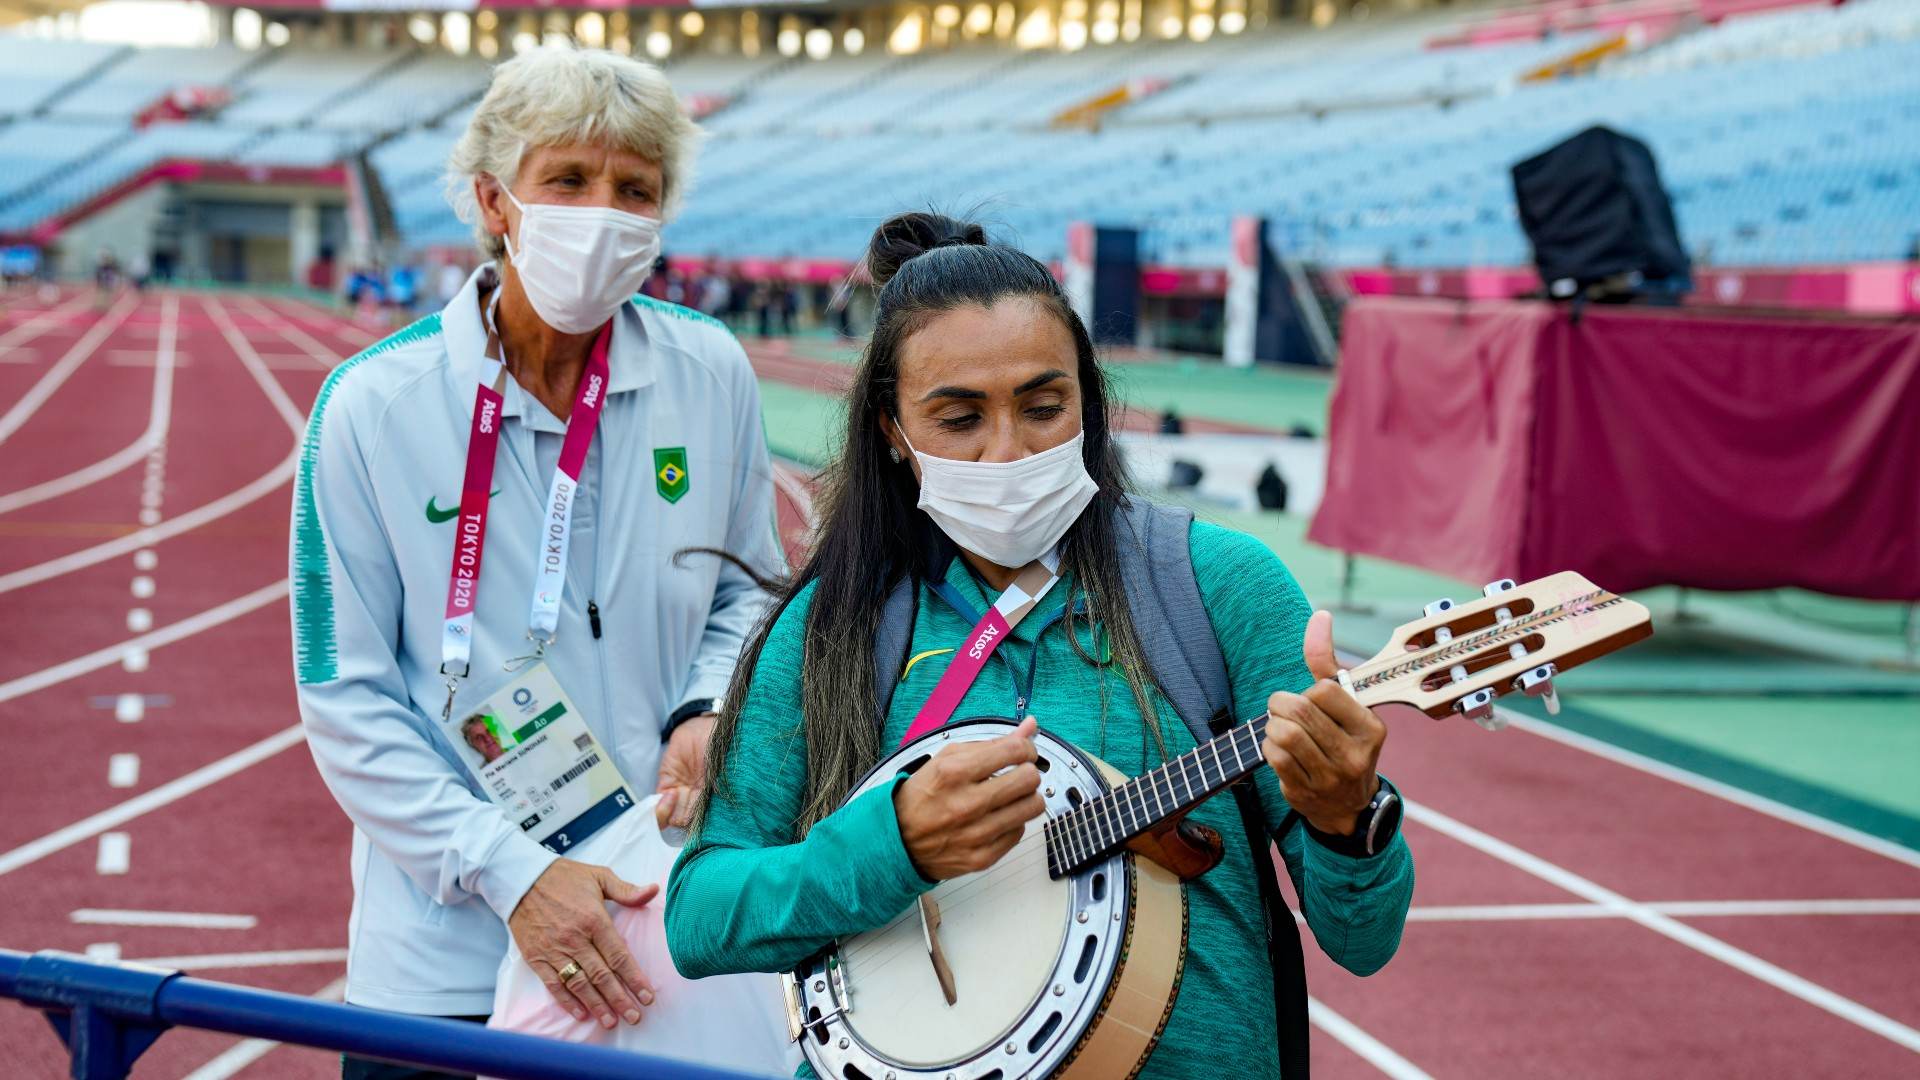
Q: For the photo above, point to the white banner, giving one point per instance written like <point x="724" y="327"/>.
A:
<point x="1243" y="289"/>
<point x="1079" y="270"/>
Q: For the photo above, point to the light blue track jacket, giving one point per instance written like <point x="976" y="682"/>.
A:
<point x="436" y="867"/>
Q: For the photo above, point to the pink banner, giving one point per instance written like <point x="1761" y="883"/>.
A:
<point x="1640" y="446"/>
<point x="1883" y="288"/>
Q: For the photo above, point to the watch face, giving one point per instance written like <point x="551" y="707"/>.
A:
<point x="1386" y="822"/>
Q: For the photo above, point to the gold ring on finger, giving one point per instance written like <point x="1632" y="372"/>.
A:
<point x="568" y="972"/>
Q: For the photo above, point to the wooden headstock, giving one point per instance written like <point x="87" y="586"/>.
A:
<point x="1459" y="657"/>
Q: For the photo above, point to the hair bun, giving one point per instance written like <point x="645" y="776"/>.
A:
<point x="904" y="236"/>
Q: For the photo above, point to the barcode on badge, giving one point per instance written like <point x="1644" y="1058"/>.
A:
<point x="583" y="740"/>
<point x="576" y="772"/>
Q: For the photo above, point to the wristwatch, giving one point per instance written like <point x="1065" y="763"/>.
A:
<point x="696" y="707"/>
<point x="1373" y="830"/>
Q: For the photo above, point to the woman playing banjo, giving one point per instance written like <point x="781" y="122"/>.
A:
<point x="978" y="463"/>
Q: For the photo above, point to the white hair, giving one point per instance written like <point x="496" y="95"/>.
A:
<point x="557" y="96"/>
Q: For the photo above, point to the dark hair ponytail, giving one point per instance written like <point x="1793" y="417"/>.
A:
<point x="871" y="532"/>
<point x="904" y="237"/>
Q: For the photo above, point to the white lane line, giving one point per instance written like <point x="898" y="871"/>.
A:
<point x="171" y="791"/>
<point x="139" y="620"/>
<point x="141" y="357"/>
<point x="227" y="961"/>
<point x="1686" y="909"/>
<point x="123" y="770"/>
<point x="1727" y="792"/>
<point x="1707" y="909"/>
<point x="1377" y="1053"/>
<point x="192" y="920"/>
<point x="247" y="1051"/>
<point x="1665" y="925"/>
<point x="134" y="660"/>
<point x="145" y="559"/>
<point x="166" y="635"/>
<point x="296" y="420"/>
<point x="105" y="952"/>
<point x="39" y="324"/>
<point x="155" y="533"/>
<point x="63" y="369"/>
<point x="149" y="516"/>
<point x="282" y="324"/>
<point x="130" y="708"/>
<point x="159" y="416"/>
<point x="1759" y="804"/>
<point x="201" y="515"/>
<point x="115" y="855"/>
<point x="141" y="587"/>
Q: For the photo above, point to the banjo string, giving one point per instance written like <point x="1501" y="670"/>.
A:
<point x="911" y="910"/>
<point x="960" y="897"/>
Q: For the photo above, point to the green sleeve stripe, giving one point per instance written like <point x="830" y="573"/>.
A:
<point x="677" y="311"/>
<point x="315" y="654"/>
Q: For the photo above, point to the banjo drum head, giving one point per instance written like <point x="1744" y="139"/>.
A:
<point x="1003" y="932"/>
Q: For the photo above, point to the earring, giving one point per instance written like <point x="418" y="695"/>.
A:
<point x="894" y="453"/>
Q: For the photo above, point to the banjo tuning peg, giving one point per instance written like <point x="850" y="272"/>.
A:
<point x="1539" y="683"/>
<point x="1439" y="607"/>
<point x="1495" y="588"/>
<point x="1478" y="707"/>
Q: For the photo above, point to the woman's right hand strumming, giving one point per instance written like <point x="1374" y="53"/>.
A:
<point x="957" y="817"/>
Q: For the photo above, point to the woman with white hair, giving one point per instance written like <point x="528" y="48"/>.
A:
<point x="477" y="725"/>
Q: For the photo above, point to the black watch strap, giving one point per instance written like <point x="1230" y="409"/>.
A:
<point x="696" y="707"/>
<point x="1372" y="831"/>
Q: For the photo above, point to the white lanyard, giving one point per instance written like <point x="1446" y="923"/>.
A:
<point x="470" y="536"/>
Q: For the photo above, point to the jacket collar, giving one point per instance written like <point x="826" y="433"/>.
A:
<point x="630" y="360"/>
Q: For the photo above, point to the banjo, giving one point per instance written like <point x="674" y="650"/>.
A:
<point x="1064" y="958"/>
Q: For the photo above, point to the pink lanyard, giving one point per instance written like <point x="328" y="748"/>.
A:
<point x="1020" y="598"/>
<point x="470" y="537"/>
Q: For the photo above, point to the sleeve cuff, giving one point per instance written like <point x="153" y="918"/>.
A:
<point x="1354" y="872"/>
<point x="879" y="864"/>
<point x="708" y="684"/>
<point x="510" y="871"/>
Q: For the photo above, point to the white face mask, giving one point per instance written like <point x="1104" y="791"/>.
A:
<point x="578" y="264"/>
<point x="1007" y="512"/>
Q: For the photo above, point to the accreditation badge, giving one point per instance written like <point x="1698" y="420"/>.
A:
<point x="537" y="761"/>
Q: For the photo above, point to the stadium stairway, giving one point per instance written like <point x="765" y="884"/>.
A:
<point x="70" y="86"/>
<point x="381" y="218"/>
<point x="744" y="89"/>
<point x="114" y="139"/>
<point x="371" y="84"/>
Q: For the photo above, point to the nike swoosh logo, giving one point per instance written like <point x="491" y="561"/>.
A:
<point x="437" y="515"/>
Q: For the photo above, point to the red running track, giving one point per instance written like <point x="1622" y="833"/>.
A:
<point x="1509" y="992"/>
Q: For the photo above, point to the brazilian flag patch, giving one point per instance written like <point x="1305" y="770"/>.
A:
<point x="670" y="472"/>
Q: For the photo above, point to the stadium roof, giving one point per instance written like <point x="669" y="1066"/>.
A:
<point x="19" y="11"/>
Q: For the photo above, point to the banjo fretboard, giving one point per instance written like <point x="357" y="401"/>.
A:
<point x="1099" y="827"/>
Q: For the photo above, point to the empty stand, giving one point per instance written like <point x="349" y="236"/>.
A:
<point x="1785" y="137"/>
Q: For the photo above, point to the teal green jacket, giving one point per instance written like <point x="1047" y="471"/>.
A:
<point x="749" y="894"/>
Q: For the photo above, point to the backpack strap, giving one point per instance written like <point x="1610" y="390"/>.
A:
<point x="891" y="640"/>
<point x="1170" y="619"/>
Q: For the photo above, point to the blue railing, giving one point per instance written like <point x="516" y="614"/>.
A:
<point x="108" y="1014"/>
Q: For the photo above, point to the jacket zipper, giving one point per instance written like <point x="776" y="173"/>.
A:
<point x="593" y="606"/>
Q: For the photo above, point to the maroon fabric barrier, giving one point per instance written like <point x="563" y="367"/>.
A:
<point x="1640" y="447"/>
